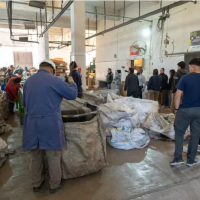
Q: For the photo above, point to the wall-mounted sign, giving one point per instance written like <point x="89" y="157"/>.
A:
<point x="194" y="41"/>
<point x="134" y="51"/>
<point x="24" y="39"/>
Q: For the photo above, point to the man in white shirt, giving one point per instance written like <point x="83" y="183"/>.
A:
<point x="142" y="81"/>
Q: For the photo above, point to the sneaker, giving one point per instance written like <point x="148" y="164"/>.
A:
<point x="190" y="164"/>
<point x="53" y="191"/>
<point x="37" y="189"/>
<point x="177" y="162"/>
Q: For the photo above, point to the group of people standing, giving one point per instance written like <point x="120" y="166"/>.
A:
<point x="134" y="84"/>
<point x="159" y="85"/>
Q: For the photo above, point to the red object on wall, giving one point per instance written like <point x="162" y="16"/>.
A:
<point x="134" y="51"/>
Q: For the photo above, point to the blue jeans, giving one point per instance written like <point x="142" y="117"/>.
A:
<point x="184" y="118"/>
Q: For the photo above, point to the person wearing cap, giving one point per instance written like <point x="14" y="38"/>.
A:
<point x="43" y="131"/>
<point x="76" y="77"/>
<point x="109" y="78"/>
<point x="12" y="90"/>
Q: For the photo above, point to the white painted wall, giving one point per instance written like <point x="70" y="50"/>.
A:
<point x="183" y="20"/>
<point x="61" y="53"/>
<point x="8" y="47"/>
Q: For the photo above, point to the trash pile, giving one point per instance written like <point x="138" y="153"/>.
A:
<point x="122" y="123"/>
<point x="128" y="122"/>
<point x="3" y="151"/>
<point x="3" y="104"/>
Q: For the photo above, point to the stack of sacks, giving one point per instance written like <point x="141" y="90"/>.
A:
<point x="61" y="66"/>
<point x="3" y="104"/>
<point x="143" y="106"/>
<point x="122" y="126"/>
<point x="32" y="70"/>
<point x="3" y="149"/>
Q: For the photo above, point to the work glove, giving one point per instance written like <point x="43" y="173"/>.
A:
<point x="69" y="79"/>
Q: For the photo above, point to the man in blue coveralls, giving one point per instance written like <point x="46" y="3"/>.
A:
<point x="43" y="131"/>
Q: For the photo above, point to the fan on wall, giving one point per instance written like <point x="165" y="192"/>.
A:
<point x="139" y="48"/>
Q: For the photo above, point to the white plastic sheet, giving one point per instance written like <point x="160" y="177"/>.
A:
<point x="136" y="139"/>
<point x="143" y="106"/>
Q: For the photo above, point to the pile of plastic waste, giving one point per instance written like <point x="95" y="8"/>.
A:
<point x="3" y="104"/>
<point x="128" y="122"/>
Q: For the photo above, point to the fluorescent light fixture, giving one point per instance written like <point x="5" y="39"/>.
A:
<point x="37" y="4"/>
<point x="29" y="25"/>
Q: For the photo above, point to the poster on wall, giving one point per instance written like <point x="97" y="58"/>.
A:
<point x="134" y="51"/>
<point x="194" y="41"/>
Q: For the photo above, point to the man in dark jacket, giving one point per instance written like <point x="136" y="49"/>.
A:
<point x="132" y="84"/>
<point x="76" y="77"/>
<point x="164" y="87"/>
<point x="109" y="78"/>
<point x="182" y="71"/>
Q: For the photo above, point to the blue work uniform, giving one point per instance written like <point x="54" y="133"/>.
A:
<point x="42" y="96"/>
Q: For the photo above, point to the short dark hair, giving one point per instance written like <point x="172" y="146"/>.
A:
<point x="195" y="61"/>
<point x="17" y="80"/>
<point x="155" y="72"/>
<point x="131" y="70"/>
<point x="45" y="64"/>
<point x="181" y="64"/>
<point x="163" y="69"/>
<point x="73" y="64"/>
<point x="172" y="71"/>
<point x="118" y="71"/>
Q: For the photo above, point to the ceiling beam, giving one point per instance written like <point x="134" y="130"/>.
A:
<point x="160" y="10"/>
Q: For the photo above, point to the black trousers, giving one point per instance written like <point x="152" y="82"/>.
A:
<point x="140" y="91"/>
<point x="132" y="94"/>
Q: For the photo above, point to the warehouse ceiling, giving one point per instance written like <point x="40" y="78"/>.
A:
<point x="21" y="10"/>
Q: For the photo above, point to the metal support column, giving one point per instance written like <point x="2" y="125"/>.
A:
<point x="124" y="11"/>
<point x="114" y="12"/>
<point x="139" y="8"/>
<point x="96" y="19"/>
<point x="104" y="15"/>
<point x="41" y="19"/>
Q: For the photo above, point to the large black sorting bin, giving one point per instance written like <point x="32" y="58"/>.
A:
<point x="77" y="111"/>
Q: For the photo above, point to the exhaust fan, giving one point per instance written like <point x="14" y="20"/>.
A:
<point x="37" y="4"/>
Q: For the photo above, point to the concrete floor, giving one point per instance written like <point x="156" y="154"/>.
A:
<point x="136" y="174"/>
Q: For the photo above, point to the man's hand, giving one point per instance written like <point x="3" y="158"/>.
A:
<point x="69" y="79"/>
<point x="178" y="97"/>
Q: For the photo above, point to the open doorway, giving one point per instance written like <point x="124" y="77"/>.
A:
<point x="136" y="64"/>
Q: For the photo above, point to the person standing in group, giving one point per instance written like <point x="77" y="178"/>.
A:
<point x="142" y="82"/>
<point x="132" y="84"/>
<point x="154" y="86"/>
<point x="76" y="77"/>
<point x="182" y="71"/>
<point x="172" y="73"/>
<point x="164" y="87"/>
<point x="109" y="78"/>
<point x="118" y="80"/>
<point x="43" y="131"/>
<point x="12" y="89"/>
<point x="188" y="114"/>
